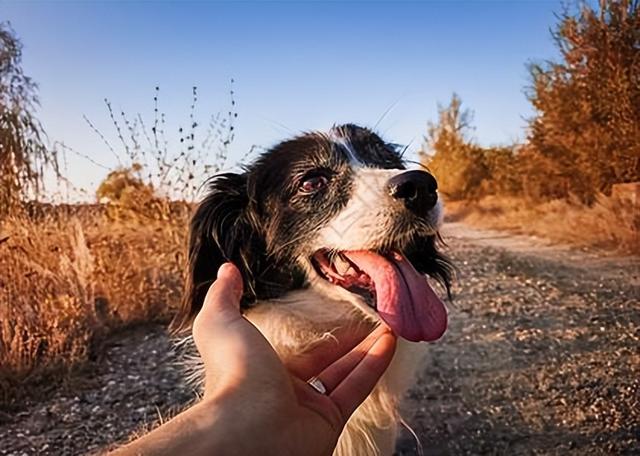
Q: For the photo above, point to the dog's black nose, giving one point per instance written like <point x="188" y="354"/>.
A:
<point x="417" y="189"/>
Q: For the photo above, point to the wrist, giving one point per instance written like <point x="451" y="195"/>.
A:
<point x="195" y="432"/>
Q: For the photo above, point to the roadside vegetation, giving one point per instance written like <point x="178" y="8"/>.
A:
<point x="564" y="181"/>
<point x="71" y="273"/>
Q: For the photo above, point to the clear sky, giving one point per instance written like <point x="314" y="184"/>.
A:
<point x="296" y="66"/>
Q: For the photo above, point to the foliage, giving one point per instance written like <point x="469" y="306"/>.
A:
<point x="585" y="136"/>
<point x="73" y="273"/>
<point x="120" y="182"/>
<point x="458" y="163"/>
<point x="504" y="170"/>
<point x="23" y="154"/>
<point x="464" y="169"/>
<point x="587" y="123"/>
<point x="149" y="166"/>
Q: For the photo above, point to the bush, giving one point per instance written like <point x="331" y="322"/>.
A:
<point x="585" y="136"/>
<point x="465" y="170"/>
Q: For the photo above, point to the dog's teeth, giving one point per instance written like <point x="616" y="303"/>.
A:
<point x="341" y="266"/>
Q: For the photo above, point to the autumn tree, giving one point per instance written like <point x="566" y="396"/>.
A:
<point x="586" y="130"/>
<point x="451" y="155"/>
<point x="23" y="154"/>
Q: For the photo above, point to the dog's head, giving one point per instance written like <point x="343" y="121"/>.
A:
<point x="337" y="211"/>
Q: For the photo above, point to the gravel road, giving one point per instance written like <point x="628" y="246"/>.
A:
<point x="542" y="357"/>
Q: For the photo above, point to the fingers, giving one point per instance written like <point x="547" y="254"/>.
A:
<point x="341" y="341"/>
<point x="338" y="370"/>
<point x="220" y="311"/>
<point x="359" y="383"/>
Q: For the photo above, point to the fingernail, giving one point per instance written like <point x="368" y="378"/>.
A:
<point x="222" y="268"/>
<point x="381" y="329"/>
<point x="377" y="333"/>
<point x="378" y="347"/>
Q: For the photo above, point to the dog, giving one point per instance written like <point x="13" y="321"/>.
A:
<point x="327" y="229"/>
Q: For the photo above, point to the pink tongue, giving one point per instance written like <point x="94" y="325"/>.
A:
<point x="405" y="301"/>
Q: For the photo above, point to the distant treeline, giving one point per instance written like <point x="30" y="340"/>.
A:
<point x="585" y="134"/>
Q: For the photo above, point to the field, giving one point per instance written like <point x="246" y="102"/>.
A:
<point x="73" y="274"/>
<point x="539" y="359"/>
<point x="538" y="356"/>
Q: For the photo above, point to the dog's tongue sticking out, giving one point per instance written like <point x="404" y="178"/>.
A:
<point x="405" y="301"/>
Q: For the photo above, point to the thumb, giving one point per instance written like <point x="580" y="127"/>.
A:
<point x="222" y="303"/>
<point x="220" y="312"/>
<point x="230" y="346"/>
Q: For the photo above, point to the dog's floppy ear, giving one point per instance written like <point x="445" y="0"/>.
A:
<point x="219" y="232"/>
<point x="425" y="257"/>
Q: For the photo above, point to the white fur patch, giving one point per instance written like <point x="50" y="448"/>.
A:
<point x="336" y="136"/>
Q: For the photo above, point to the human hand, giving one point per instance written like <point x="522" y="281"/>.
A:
<point x="246" y="376"/>
<point x="253" y="402"/>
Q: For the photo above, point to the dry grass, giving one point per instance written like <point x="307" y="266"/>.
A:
<point x="71" y="274"/>
<point x="610" y="223"/>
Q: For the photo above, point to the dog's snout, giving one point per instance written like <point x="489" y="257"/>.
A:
<point x="416" y="189"/>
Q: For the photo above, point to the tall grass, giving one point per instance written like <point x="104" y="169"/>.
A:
<point x="47" y="303"/>
<point x="71" y="276"/>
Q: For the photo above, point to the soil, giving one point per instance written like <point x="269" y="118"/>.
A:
<point x="542" y="357"/>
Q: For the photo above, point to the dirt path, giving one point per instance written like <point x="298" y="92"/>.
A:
<point x="542" y="357"/>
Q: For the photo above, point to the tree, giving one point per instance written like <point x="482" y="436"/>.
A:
<point x="23" y="154"/>
<point x="587" y="122"/>
<point x="457" y="163"/>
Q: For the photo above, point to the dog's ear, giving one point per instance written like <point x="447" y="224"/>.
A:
<point x="219" y="232"/>
<point x="427" y="259"/>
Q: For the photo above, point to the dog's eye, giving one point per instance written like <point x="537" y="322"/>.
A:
<point x="312" y="184"/>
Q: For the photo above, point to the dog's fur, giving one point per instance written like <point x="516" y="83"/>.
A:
<point x="317" y="191"/>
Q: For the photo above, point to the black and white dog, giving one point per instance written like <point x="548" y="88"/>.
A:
<point x="329" y="228"/>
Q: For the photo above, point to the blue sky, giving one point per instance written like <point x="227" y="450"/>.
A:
<point x="296" y="66"/>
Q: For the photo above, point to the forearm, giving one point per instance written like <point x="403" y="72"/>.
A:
<point x="193" y="432"/>
<point x="209" y="428"/>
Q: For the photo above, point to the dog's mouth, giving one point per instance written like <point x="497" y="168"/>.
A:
<point x="388" y="283"/>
